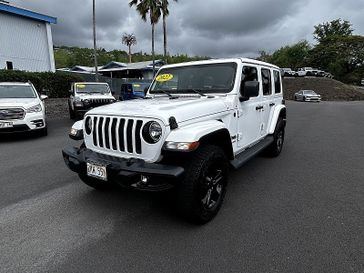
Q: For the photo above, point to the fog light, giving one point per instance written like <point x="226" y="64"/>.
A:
<point x="144" y="179"/>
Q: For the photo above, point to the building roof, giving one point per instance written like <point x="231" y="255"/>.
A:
<point x="116" y="66"/>
<point x="27" y="13"/>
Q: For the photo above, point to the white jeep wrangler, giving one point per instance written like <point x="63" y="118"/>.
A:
<point x="87" y="95"/>
<point x="196" y="120"/>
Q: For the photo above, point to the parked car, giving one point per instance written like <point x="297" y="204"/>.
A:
<point x="134" y="90"/>
<point x="21" y="108"/>
<point x="362" y="82"/>
<point x="307" y="95"/>
<point x="288" y="72"/>
<point x="306" y="71"/>
<point x="86" y="96"/>
<point x="197" y="119"/>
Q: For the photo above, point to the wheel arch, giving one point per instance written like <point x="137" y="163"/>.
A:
<point x="279" y="112"/>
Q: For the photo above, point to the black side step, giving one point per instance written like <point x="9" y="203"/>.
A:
<point x="248" y="154"/>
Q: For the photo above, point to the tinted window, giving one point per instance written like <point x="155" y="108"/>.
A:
<point x="267" y="82"/>
<point x="249" y="73"/>
<point x="277" y="82"/>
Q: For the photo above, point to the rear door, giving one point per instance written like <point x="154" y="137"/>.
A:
<point x="267" y="100"/>
<point x="249" y="116"/>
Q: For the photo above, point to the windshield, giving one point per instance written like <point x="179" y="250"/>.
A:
<point x="207" y="78"/>
<point x="16" y="91"/>
<point x="309" y="92"/>
<point x="92" y="88"/>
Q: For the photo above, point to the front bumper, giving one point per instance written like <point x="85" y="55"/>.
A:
<point x="31" y="122"/>
<point x="125" y="172"/>
<point x="313" y="99"/>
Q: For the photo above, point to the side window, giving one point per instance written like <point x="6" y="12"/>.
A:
<point x="277" y="82"/>
<point x="267" y="82"/>
<point x="250" y="73"/>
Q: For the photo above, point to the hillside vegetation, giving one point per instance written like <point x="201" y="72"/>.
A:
<point x="329" y="89"/>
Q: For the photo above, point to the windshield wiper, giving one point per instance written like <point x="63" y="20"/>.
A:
<point x="197" y="91"/>
<point x="165" y="92"/>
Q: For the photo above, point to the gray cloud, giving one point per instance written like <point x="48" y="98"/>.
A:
<point x="199" y="27"/>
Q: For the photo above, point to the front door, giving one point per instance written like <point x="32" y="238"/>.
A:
<point x="249" y="112"/>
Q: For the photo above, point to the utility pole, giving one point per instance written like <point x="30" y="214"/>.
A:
<point x="95" y="46"/>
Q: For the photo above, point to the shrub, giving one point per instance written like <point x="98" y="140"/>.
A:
<point x="55" y="85"/>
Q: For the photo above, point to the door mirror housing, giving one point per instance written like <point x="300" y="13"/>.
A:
<point x="248" y="90"/>
<point x="43" y="97"/>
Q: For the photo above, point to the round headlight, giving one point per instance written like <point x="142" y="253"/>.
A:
<point x="152" y="132"/>
<point x="86" y="102"/>
<point x="88" y="125"/>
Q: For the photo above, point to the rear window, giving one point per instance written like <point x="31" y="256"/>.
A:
<point x="267" y="82"/>
<point x="277" y="82"/>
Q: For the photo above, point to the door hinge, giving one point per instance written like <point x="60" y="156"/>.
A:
<point x="240" y="136"/>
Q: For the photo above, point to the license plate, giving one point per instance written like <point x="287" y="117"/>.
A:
<point x="6" y="124"/>
<point x="97" y="171"/>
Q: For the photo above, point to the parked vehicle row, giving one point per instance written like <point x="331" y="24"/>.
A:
<point x="305" y="72"/>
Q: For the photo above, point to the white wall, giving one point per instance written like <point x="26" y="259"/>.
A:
<point x="25" y="42"/>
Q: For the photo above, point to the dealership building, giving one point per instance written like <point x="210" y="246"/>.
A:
<point x="25" y="39"/>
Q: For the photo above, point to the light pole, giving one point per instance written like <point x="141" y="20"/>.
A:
<point x="94" y="33"/>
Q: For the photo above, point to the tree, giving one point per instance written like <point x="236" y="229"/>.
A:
<point x="165" y="11"/>
<point x="151" y="8"/>
<point x="293" y="56"/>
<point x="129" y="40"/>
<point x="338" y="28"/>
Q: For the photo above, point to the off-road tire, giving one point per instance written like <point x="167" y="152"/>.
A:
<point x="192" y="190"/>
<point x="276" y="147"/>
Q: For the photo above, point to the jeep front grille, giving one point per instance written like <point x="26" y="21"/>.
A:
<point x="117" y="134"/>
<point x="99" y="102"/>
<point x="12" y="113"/>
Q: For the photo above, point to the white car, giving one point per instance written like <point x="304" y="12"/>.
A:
<point x="21" y="108"/>
<point x="307" y="95"/>
<point x="196" y="120"/>
<point x="288" y="72"/>
<point x="88" y="95"/>
<point x="307" y="71"/>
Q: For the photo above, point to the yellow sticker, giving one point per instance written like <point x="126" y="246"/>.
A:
<point x="164" y="77"/>
<point x="81" y="86"/>
<point x="136" y="85"/>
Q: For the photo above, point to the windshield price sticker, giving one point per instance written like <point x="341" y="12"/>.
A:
<point x="81" y="86"/>
<point x="164" y="77"/>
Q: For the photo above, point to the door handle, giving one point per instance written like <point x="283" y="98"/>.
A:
<point x="259" y="108"/>
<point x="272" y="104"/>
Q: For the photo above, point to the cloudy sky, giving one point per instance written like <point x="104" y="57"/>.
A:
<point x="216" y="28"/>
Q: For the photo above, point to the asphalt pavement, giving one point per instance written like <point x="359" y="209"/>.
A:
<point x="301" y="212"/>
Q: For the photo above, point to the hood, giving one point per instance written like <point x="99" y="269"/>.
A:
<point x="94" y="96"/>
<point x="162" y="108"/>
<point x="19" y="102"/>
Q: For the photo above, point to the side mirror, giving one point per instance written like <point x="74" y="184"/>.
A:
<point x="43" y="97"/>
<point x="248" y="90"/>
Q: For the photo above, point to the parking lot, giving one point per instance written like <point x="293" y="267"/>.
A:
<point x="301" y="212"/>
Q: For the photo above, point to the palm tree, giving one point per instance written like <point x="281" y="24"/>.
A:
<point x="151" y="8"/>
<point x="165" y="11"/>
<point x="129" y="40"/>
